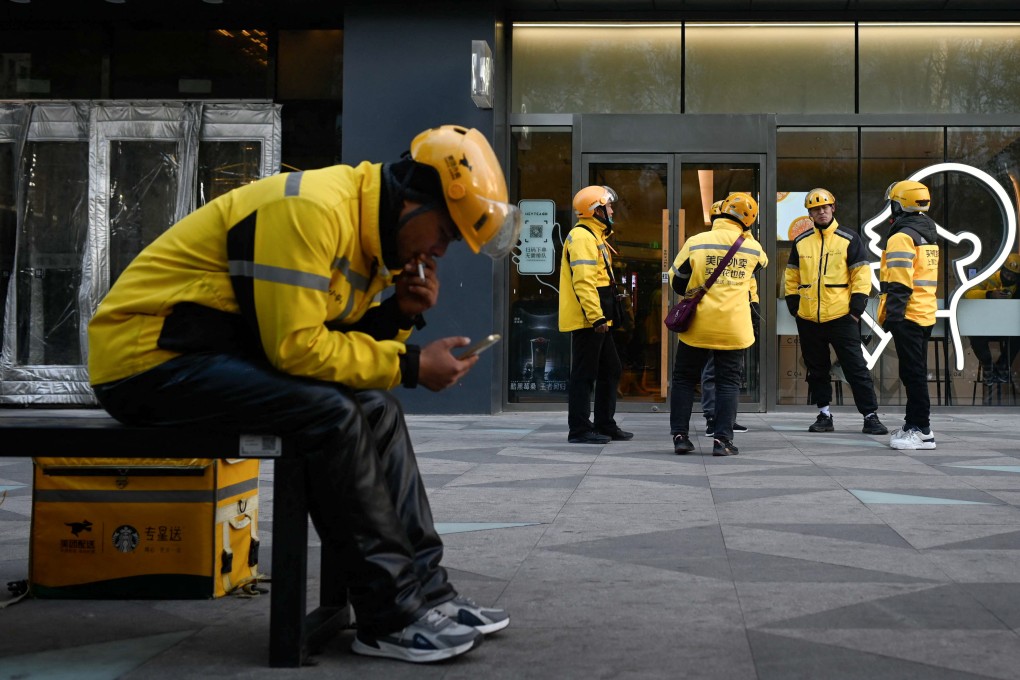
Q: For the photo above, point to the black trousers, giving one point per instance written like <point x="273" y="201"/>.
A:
<point x="1008" y="349"/>
<point x="844" y="335"/>
<point x="912" y="351"/>
<point x="687" y="370"/>
<point x="366" y="496"/>
<point x="594" y="364"/>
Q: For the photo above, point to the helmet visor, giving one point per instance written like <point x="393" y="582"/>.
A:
<point x="508" y="233"/>
<point x="611" y="196"/>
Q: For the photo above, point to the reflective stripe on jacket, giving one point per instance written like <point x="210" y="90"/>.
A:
<point x="828" y="269"/>
<point x="285" y="255"/>
<point x="723" y="319"/>
<point x="582" y="272"/>
<point x="909" y="278"/>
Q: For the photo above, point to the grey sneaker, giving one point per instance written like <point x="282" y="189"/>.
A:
<point x="433" y="637"/>
<point x="466" y="611"/>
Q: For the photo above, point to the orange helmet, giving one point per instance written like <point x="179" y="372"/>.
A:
<point x="473" y="187"/>
<point x="589" y="198"/>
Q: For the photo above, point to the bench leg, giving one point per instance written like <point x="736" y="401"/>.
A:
<point x="294" y="633"/>
<point x="290" y="564"/>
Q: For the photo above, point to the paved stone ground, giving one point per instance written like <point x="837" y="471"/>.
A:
<point x="824" y="556"/>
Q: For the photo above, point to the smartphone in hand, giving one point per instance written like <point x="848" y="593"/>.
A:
<point x="480" y="346"/>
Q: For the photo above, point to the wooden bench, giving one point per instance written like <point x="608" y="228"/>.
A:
<point x="294" y="633"/>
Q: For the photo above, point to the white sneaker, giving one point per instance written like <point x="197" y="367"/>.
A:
<point x="912" y="439"/>
<point x="467" y="612"/>
<point x="927" y="440"/>
<point x="433" y="637"/>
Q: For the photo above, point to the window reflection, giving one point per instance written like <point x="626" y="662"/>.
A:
<point x="939" y="68"/>
<point x="588" y="69"/>
<point x="749" y="68"/>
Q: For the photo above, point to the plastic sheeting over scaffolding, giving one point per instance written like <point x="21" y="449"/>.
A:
<point x="84" y="186"/>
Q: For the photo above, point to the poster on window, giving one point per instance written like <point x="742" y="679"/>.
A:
<point x="792" y="218"/>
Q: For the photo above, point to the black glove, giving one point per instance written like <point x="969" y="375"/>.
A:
<point x="793" y="304"/>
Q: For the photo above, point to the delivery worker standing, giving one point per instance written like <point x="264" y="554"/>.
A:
<point x="586" y="308"/>
<point x="722" y="327"/>
<point x="828" y="280"/>
<point x="907" y="303"/>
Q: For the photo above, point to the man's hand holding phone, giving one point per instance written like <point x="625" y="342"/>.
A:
<point x="480" y="346"/>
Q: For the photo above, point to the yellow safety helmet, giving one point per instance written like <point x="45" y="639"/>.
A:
<point x="473" y="186"/>
<point x="740" y="206"/>
<point x="588" y="199"/>
<point x="716" y="209"/>
<point x="909" y="195"/>
<point x="819" y="197"/>
<point x="1012" y="263"/>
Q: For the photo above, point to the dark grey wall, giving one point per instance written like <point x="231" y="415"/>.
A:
<point x="407" y="68"/>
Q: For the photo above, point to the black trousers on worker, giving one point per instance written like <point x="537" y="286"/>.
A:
<point x="594" y="364"/>
<point x="1008" y="349"/>
<point x="366" y="495"/>
<point x="844" y="335"/>
<point x="912" y="351"/>
<point x="687" y="370"/>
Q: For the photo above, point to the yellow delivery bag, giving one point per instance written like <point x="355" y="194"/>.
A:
<point x="143" y="528"/>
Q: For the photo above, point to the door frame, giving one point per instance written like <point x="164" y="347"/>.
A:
<point x="689" y="139"/>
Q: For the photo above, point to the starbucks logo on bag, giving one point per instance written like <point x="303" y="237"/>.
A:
<point x="125" y="538"/>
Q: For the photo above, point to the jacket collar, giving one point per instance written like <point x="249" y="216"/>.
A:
<point x="833" y="226"/>
<point x="370" y="233"/>
<point x="723" y="224"/>
<point x="596" y="227"/>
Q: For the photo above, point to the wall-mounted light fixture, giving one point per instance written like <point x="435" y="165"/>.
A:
<point x="481" y="74"/>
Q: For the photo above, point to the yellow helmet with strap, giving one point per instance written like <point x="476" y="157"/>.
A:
<point x="819" y="197"/>
<point x="473" y="187"/>
<point x="742" y="207"/>
<point x="911" y="196"/>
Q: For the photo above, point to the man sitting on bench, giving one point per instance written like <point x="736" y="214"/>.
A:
<point x="259" y="313"/>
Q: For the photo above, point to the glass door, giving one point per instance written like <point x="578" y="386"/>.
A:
<point x="663" y="200"/>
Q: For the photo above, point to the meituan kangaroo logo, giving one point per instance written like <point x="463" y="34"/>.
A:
<point x="78" y="527"/>
<point x="960" y="264"/>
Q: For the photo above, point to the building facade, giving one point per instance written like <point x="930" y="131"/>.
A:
<point x="672" y="103"/>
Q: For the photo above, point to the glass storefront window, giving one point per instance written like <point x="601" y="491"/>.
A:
<point x="750" y="68"/>
<point x="223" y="63"/>
<point x="51" y="64"/>
<point x="640" y="228"/>
<point x="956" y="68"/>
<point x="807" y="158"/>
<point x="310" y="64"/>
<point x="224" y="166"/>
<point x="989" y="355"/>
<point x="538" y="354"/>
<point x="617" y="68"/>
<point x="8" y="225"/>
<point x="143" y="194"/>
<point x="49" y="258"/>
